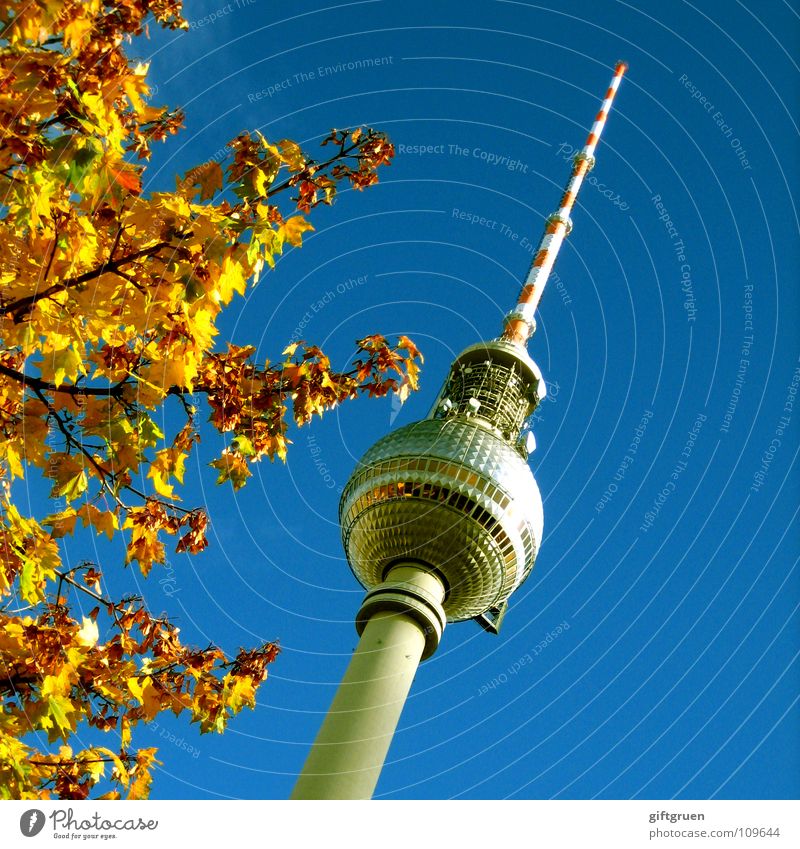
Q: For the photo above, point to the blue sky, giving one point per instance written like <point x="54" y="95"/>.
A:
<point x="653" y="651"/>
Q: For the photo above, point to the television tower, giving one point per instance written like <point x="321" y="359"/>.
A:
<point x="441" y="522"/>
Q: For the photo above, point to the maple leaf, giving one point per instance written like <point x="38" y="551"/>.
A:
<point x="103" y="521"/>
<point x="140" y="786"/>
<point x="208" y="177"/>
<point x="168" y="462"/>
<point x="194" y="540"/>
<point x="127" y="178"/>
<point x="405" y="343"/>
<point x="61" y="523"/>
<point x="292" y="155"/>
<point x="231" y="279"/>
<point x="68" y="474"/>
<point x="145" y="546"/>
<point x="232" y="467"/>
<point x="60" y="713"/>
<point x="65" y="364"/>
<point x="13" y="460"/>
<point x="76" y="31"/>
<point x="293" y="230"/>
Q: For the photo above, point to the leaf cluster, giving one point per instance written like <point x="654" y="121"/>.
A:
<point x="109" y="301"/>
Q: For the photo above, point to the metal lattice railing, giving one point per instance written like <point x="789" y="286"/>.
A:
<point x="493" y="391"/>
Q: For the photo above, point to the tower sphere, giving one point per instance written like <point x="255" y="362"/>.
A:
<point x="454" y="491"/>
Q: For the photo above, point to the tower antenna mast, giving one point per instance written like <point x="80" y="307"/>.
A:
<point x="520" y="323"/>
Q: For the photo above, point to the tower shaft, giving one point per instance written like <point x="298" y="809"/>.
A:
<point x="399" y="619"/>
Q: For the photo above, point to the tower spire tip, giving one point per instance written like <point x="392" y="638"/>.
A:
<point x="519" y="324"/>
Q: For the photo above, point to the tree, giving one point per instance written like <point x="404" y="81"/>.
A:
<point x="109" y="299"/>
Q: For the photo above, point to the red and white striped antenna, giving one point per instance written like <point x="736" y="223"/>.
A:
<point x="520" y="323"/>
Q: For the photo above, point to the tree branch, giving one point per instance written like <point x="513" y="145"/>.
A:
<point x="68" y="389"/>
<point x="342" y="154"/>
<point x="64" y="576"/>
<point x="22" y="305"/>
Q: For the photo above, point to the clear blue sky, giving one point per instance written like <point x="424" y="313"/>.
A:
<point x="678" y="673"/>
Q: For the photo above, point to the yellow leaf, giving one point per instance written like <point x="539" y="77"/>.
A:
<point x="292" y="155"/>
<point x="96" y="768"/>
<point x="62" y="713"/>
<point x="136" y="689"/>
<point x="241" y="693"/>
<point x="142" y="777"/>
<point x="180" y="370"/>
<point x="261" y="181"/>
<point x="146" y="548"/>
<point x="169" y="461"/>
<point x="14" y="463"/>
<point x="76" y="30"/>
<point x="294" y="228"/>
<point x="66" y="364"/>
<point x="103" y="521"/>
<point x="119" y="767"/>
<point x="232" y="279"/>
<point x="147" y="694"/>
<point x="60" y="684"/>
<point x="232" y="466"/>
<point x="208" y="176"/>
<point x="159" y="479"/>
<point x="69" y="478"/>
<point x="151" y="699"/>
<point x="62" y="523"/>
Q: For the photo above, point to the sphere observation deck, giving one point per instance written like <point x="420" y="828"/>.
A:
<point x="454" y="491"/>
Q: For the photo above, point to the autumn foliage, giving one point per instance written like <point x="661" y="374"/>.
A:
<point x="109" y="298"/>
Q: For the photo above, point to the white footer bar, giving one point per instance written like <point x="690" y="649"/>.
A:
<point x="401" y="824"/>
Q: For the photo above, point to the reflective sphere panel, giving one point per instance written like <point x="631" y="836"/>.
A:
<point x="450" y="493"/>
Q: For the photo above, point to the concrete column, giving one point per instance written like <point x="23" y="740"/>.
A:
<point x="400" y="622"/>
